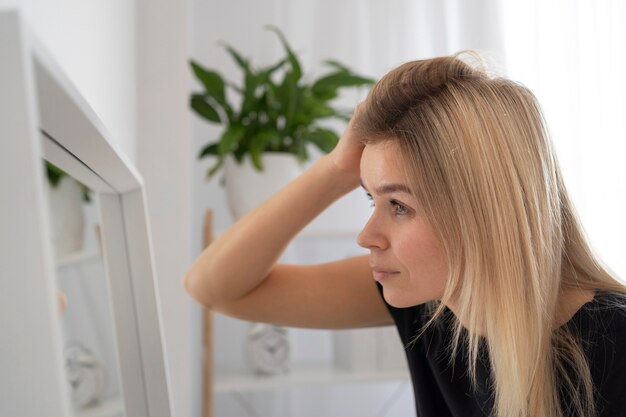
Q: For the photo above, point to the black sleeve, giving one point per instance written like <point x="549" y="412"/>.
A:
<point x="611" y="395"/>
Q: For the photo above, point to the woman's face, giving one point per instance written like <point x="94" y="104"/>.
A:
<point x="406" y="256"/>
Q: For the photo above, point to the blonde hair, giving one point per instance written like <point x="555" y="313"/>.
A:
<point x="479" y="157"/>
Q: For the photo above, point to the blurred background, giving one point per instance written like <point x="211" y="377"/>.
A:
<point x="130" y="59"/>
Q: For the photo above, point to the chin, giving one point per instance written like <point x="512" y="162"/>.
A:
<point x="399" y="302"/>
<point x="402" y="301"/>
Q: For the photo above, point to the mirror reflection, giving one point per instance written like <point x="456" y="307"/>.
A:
<point x="89" y="348"/>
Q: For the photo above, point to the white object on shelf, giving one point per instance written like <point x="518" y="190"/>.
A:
<point x="66" y="206"/>
<point x="247" y="188"/>
<point x="111" y="407"/>
<point x="301" y="377"/>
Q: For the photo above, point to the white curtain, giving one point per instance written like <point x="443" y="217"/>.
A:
<point x="572" y="55"/>
<point x="374" y="36"/>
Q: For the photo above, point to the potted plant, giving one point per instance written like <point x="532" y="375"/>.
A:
<point x="66" y="196"/>
<point x="277" y="117"/>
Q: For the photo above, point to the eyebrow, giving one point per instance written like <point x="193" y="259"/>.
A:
<point x="389" y="188"/>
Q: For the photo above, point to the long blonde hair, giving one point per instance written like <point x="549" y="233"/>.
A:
<point x="479" y="157"/>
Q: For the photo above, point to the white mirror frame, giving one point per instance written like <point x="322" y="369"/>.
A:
<point x="43" y="116"/>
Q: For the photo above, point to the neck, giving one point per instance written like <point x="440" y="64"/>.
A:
<point x="570" y="301"/>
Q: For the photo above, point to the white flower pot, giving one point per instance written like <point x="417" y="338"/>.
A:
<point x="67" y="217"/>
<point x="247" y="188"/>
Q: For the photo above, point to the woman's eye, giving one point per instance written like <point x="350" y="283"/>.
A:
<point x="399" y="208"/>
<point x="370" y="198"/>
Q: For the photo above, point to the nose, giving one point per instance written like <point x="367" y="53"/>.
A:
<point x="371" y="236"/>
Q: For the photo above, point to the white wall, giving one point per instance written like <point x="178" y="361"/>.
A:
<point x="94" y="44"/>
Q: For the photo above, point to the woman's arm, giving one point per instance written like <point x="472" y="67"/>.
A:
<point x="237" y="274"/>
<point x="245" y="254"/>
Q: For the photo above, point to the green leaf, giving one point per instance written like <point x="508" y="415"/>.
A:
<point x="54" y="174"/>
<point x="336" y="65"/>
<point x="266" y="140"/>
<point x="290" y="98"/>
<point x="210" y="149"/>
<point x="241" y="61"/>
<point x="328" y="85"/>
<point x="86" y="193"/>
<point x="257" y="146"/>
<point x="270" y="139"/>
<point x="317" y="108"/>
<point x="204" y="109"/>
<point x="235" y="87"/>
<point x="299" y="146"/>
<point x="295" y="64"/>
<point x="215" y="167"/>
<point x="230" y="139"/>
<point x="266" y="73"/>
<point x="239" y="153"/>
<point x="324" y="139"/>
<point x="251" y="84"/>
<point x="212" y="81"/>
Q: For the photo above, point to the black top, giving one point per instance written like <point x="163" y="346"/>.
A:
<point x="442" y="390"/>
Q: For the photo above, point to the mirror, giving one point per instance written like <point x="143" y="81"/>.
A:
<point x="44" y="116"/>
<point x="90" y="357"/>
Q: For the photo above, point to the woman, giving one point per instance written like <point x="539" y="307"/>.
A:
<point x="476" y="252"/>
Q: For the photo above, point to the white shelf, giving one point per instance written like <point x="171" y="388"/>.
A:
<point x="78" y="257"/>
<point x="111" y="407"/>
<point x="302" y="377"/>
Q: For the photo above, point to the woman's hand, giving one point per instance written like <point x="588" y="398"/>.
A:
<point x="346" y="157"/>
<point x="62" y="300"/>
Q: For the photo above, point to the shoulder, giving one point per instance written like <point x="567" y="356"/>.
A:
<point x="601" y="325"/>
<point x="605" y="314"/>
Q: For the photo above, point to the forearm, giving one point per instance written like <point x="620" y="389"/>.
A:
<point x="244" y="255"/>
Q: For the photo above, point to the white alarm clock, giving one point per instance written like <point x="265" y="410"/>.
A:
<point x="85" y="375"/>
<point x="267" y="349"/>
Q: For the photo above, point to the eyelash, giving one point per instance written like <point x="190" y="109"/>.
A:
<point x="398" y="209"/>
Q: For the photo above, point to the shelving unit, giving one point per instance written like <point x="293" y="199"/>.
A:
<point x="241" y="386"/>
<point x="112" y="406"/>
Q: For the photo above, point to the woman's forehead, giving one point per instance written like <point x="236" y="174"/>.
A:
<point x="382" y="162"/>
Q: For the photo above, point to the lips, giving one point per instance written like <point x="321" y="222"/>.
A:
<point x="381" y="274"/>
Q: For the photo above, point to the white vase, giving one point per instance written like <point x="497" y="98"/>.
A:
<point x="247" y="188"/>
<point x="66" y="216"/>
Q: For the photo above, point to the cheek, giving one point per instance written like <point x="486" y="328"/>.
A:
<point x="423" y="255"/>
